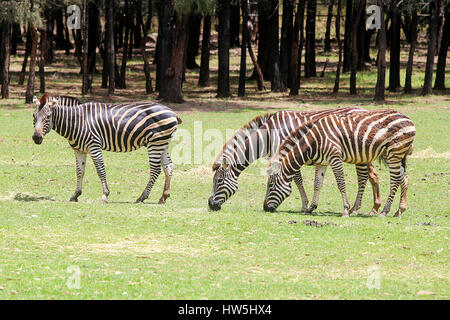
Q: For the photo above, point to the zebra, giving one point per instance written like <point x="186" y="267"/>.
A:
<point x="265" y="133"/>
<point x="92" y="127"/>
<point x="358" y="139"/>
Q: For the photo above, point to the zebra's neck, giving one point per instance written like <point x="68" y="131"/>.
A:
<point x="246" y="149"/>
<point x="303" y="152"/>
<point x="64" y="120"/>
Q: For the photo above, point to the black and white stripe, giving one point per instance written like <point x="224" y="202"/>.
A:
<point x="261" y="137"/>
<point x="92" y="127"/>
<point x="358" y="139"/>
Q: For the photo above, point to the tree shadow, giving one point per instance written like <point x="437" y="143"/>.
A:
<point x="27" y="198"/>
<point x="326" y="214"/>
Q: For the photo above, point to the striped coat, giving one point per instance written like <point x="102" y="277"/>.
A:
<point x="92" y="127"/>
<point x="358" y="139"/>
<point x="261" y="137"/>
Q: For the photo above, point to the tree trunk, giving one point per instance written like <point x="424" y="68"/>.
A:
<point x="234" y="23"/>
<point x="286" y="43"/>
<point x="223" y="84"/>
<point x="174" y="74"/>
<point x="193" y="41"/>
<point x="15" y="37"/>
<point x="274" y="53"/>
<point x="439" y="83"/>
<point x="60" y="41"/>
<point x="140" y="23"/>
<point x="432" y="39"/>
<point x="41" y="63"/>
<point x="48" y="38"/>
<point x="347" y="35"/>
<point x="127" y="42"/>
<point x="243" y="67"/>
<point x="110" y="49"/>
<point x="31" y="74"/>
<point x="354" y="45"/>
<point x="394" y="60"/>
<point x="310" y="50"/>
<point x="203" y="79"/>
<point x="294" y="79"/>
<point x="263" y="40"/>
<point x="25" y="59"/>
<point x="257" y="73"/>
<point x="327" y="42"/>
<point x="302" y="38"/>
<point x="361" y="35"/>
<point x="84" y="54"/>
<point x="93" y="34"/>
<point x="412" y="35"/>
<point x="165" y="38"/>
<point x="381" y="74"/>
<point x="5" y="54"/>
<point x="339" y="41"/>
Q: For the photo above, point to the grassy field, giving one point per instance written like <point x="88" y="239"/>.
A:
<point x="180" y="250"/>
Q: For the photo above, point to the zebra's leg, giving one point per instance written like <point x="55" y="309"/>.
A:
<point x="374" y="181"/>
<point x="299" y="182"/>
<point x="167" y="166"/>
<point x="81" y="166"/>
<point x="338" y="170"/>
<point x="396" y="172"/>
<point x="318" y="182"/>
<point x="154" y="155"/>
<point x="404" y="188"/>
<point x="97" y="158"/>
<point x="363" y="175"/>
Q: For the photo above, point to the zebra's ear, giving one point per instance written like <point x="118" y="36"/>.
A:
<point x="36" y="101"/>
<point x="225" y="163"/>
<point x="52" y="101"/>
<point x="274" y="168"/>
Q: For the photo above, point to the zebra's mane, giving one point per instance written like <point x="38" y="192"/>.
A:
<point x="291" y="141"/>
<point x="252" y="124"/>
<point x="46" y="96"/>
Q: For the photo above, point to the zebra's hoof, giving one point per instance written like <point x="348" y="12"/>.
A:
<point x="304" y="209"/>
<point x="382" y="214"/>
<point x="374" y="212"/>
<point x="162" y="201"/>
<point x="398" y="213"/>
<point x="73" y="199"/>
<point x="104" y="199"/>
<point x="353" y="213"/>
<point x="139" y="201"/>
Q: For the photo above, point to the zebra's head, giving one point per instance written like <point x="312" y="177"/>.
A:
<point x="278" y="187"/>
<point x="42" y="117"/>
<point x="225" y="184"/>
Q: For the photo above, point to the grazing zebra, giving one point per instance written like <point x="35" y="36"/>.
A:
<point x="358" y="139"/>
<point x="261" y="137"/>
<point x="93" y="127"/>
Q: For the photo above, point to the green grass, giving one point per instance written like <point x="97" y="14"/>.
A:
<point x="182" y="251"/>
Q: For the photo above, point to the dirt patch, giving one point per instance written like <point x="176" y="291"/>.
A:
<point x="429" y="153"/>
<point x="313" y="223"/>
<point x="140" y="246"/>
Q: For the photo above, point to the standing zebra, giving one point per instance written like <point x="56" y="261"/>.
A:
<point x="357" y="138"/>
<point x="93" y="127"/>
<point x="261" y="137"/>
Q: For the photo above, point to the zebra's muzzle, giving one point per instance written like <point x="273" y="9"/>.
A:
<point x="37" y="138"/>
<point x="215" y="206"/>
<point x="267" y="208"/>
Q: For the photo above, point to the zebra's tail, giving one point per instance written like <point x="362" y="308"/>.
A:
<point x="410" y="151"/>
<point x="179" y="119"/>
